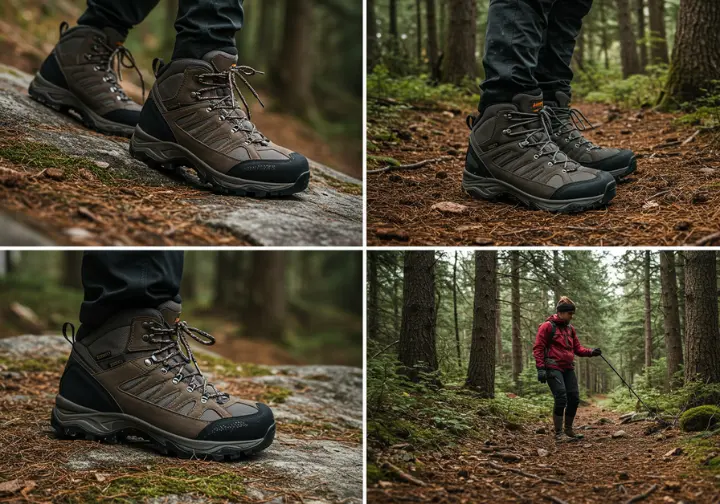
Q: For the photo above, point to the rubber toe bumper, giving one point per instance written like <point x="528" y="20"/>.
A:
<point x="586" y="188"/>
<point x="240" y="428"/>
<point x="276" y="171"/>
<point x="619" y="165"/>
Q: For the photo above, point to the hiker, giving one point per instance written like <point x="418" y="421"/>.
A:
<point x="131" y="369"/>
<point x="527" y="142"/>
<point x="191" y="116"/>
<point x="556" y="345"/>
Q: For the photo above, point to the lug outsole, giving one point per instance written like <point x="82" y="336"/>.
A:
<point x="625" y="172"/>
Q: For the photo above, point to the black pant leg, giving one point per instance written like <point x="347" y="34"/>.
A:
<point x="573" y="395"/>
<point x="556" y="382"/>
<point x="513" y="40"/>
<point x="119" y="280"/>
<point x="121" y="15"/>
<point x="206" y="25"/>
<point x="553" y="72"/>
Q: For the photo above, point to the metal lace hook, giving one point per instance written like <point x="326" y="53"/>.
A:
<point x="71" y="339"/>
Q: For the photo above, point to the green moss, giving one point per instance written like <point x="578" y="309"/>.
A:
<point x="380" y="161"/>
<point x="276" y="395"/>
<point x="342" y="186"/>
<point x="229" y="369"/>
<point x="32" y="365"/>
<point x="703" y="450"/>
<point x="174" y="481"/>
<point x="700" y="418"/>
<point x="44" y="156"/>
<point x="374" y="473"/>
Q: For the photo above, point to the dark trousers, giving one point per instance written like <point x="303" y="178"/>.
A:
<point x="201" y="25"/>
<point x="119" y="280"/>
<point x="564" y="387"/>
<point x="528" y="48"/>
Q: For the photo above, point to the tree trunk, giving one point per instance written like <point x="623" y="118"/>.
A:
<point x="481" y="370"/>
<point x="373" y="320"/>
<point x="266" y="30"/>
<point x="498" y="325"/>
<point x="72" y="262"/>
<point x="419" y="32"/>
<point x="372" y="46"/>
<point x="642" y="42"/>
<point x="455" y="312"/>
<point x="294" y="72"/>
<point x="188" y="285"/>
<point x="671" y="315"/>
<point x="703" y="335"/>
<point x="696" y="53"/>
<point x="515" y="301"/>
<point x="628" y="45"/>
<point x="605" y="44"/>
<point x="417" y="350"/>
<point x="432" y="42"/>
<point x="680" y="261"/>
<point x="648" y="311"/>
<point x="658" y="38"/>
<point x="460" y="56"/>
<point x="267" y="304"/>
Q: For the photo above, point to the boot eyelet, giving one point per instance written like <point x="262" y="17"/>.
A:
<point x="87" y="56"/>
<point x="146" y="337"/>
<point x="148" y="362"/>
<point x="190" y="389"/>
<point x="536" y="156"/>
<point x="506" y="131"/>
<point x="203" y="399"/>
<point x="549" y="163"/>
<point x="577" y="145"/>
<point x="175" y="380"/>
<point x="118" y="98"/>
<point x="209" y="109"/>
<point x="564" y="171"/>
<point x="163" y="371"/>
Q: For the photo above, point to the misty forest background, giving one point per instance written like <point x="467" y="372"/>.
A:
<point x="271" y="307"/>
<point x="311" y="51"/>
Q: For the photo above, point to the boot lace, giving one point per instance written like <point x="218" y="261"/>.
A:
<point x="572" y="123"/>
<point x="176" y="353"/>
<point x="226" y="83"/>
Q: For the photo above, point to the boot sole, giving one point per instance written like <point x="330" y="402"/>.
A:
<point x="63" y="101"/>
<point x="492" y="189"/>
<point x="624" y="172"/>
<point x="172" y="157"/>
<point x="73" y="421"/>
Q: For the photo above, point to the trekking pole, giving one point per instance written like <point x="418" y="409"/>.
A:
<point x="628" y="386"/>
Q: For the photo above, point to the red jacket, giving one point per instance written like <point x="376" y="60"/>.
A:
<point x="558" y="350"/>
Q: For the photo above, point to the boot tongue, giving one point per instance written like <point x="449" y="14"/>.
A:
<point x="530" y="104"/>
<point x="220" y="60"/>
<point x="114" y="37"/>
<point x="170" y="311"/>
<point x="563" y="100"/>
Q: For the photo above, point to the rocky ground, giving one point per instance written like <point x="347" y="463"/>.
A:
<point x="61" y="183"/>
<point x="615" y="462"/>
<point x="317" y="456"/>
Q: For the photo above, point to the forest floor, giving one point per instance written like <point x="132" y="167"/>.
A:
<point x="316" y="456"/>
<point x="672" y="199"/>
<point x="597" y="469"/>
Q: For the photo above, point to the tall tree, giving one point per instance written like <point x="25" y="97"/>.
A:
<point x="373" y="315"/>
<point x="455" y="312"/>
<point x="498" y="325"/>
<point x="515" y="307"/>
<point x="671" y="314"/>
<point x="418" y="30"/>
<point x="628" y="46"/>
<point x="372" y="46"/>
<point x="293" y="77"/>
<point x="72" y="262"/>
<point x="460" y="60"/>
<point x="481" y="370"/>
<point x="658" y="37"/>
<point x="701" y="322"/>
<point x="417" y="350"/>
<point x="266" y="312"/>
<point x="696" y="53"/>
<point x="432" y="42"/>
<point x="188" y="286"/>
<point x="642" y="39"/>
<point x="648" y="309"/>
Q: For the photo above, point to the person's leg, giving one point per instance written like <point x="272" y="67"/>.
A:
<point x="556" y="382"/>
<point x="119" y="15"/>
<point x="207" y="25"/>
<point x="573" y="400"/>
<point x="119" y="280"/>
<point x="553" y="72"/>
<point x="513" y="40"/>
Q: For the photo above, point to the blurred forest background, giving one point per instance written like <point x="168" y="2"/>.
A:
<point x="311" y="51"/>
<point x="270" y="307"/>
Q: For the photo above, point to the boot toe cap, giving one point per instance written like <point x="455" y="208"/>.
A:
<point x="129" y="117"/>
<point x="272" y="170"/>
<point x="244" y="426"/>
<point x="617" y="161"/>
<point x="596" y="186"/>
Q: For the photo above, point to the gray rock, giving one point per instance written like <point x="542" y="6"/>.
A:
<point x="328" y="213"/>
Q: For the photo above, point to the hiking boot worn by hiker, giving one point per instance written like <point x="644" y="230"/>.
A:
<point x="82" y="74"/>
<point x="569" y="432"/>
<point x="560" y="435"/>
<point x="191" y="118"/>
<point x="510" y="152"/>
<point x="567" y="127"/>
<point x="136" y="375"/>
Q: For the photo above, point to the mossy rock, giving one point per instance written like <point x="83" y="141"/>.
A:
<point x="700" y="418"/>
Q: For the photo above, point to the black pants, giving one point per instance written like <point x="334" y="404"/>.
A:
<point x="118" y="280"/>
<point x="564" y="387"/>
<point x="201" y="25"/>
<point x="528" y="47"/>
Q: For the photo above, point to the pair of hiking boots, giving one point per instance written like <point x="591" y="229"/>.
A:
<point x="536" y="153"/>
<point x="566" y="434"/>
<point x="191" y="118"/>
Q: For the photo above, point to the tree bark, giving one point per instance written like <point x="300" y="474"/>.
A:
<point x="419" y="30"/>
<point x="648" y="310"/>
<point x="267" y="304"/>
<point x="416" y="350"/>
<point x="703" y="334"/>
<point x="372" y="46"/>
<point x="266" y="30"/>
<point x="188" y="285"/>
<point x="671" y="314"/>
<point x="628" y="45"/>
<point x="658" y="38"/>
<point x="498" y="324"/>
<point x="72" y="262"/>
<point x="460" y="57"/>
<point x="515" y="301"/>
<point x="680" y="262"/>
<point x="293" y="77"/>
<point x="432" y="42"/>
<point x="455" y="312"/>
<point x="605" y="44"/>
<point x="642" y="42"/>
<point x="373" y="319"/>
<point x="481" y="370"/>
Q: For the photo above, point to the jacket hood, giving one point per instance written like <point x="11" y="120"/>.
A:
<point x="556" y="319"/>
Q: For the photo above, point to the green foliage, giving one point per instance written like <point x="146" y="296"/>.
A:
<point x="642" y="90"/>
<point x="704" y="112"/>
<point x="700" y="418"/>
<point x="416" y="89"/>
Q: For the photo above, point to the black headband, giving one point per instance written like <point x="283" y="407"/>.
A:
<point x="565" y="307"/>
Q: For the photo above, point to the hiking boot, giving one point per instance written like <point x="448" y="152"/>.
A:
<point x="136" y="375"/>
<point x="82" y="75"/>
<point x="511" y="153"/>
<point x="191" y="118"/>
<point x="567" y="127"/>
<point x="569" y="432"/>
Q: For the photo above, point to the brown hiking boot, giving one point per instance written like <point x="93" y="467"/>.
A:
<point x="82" y="75"/>
<point x="192" y="118"/>
<point x="136" y="375"/>
<point x="568" y="125"/>
<point x="511" y="153"/>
